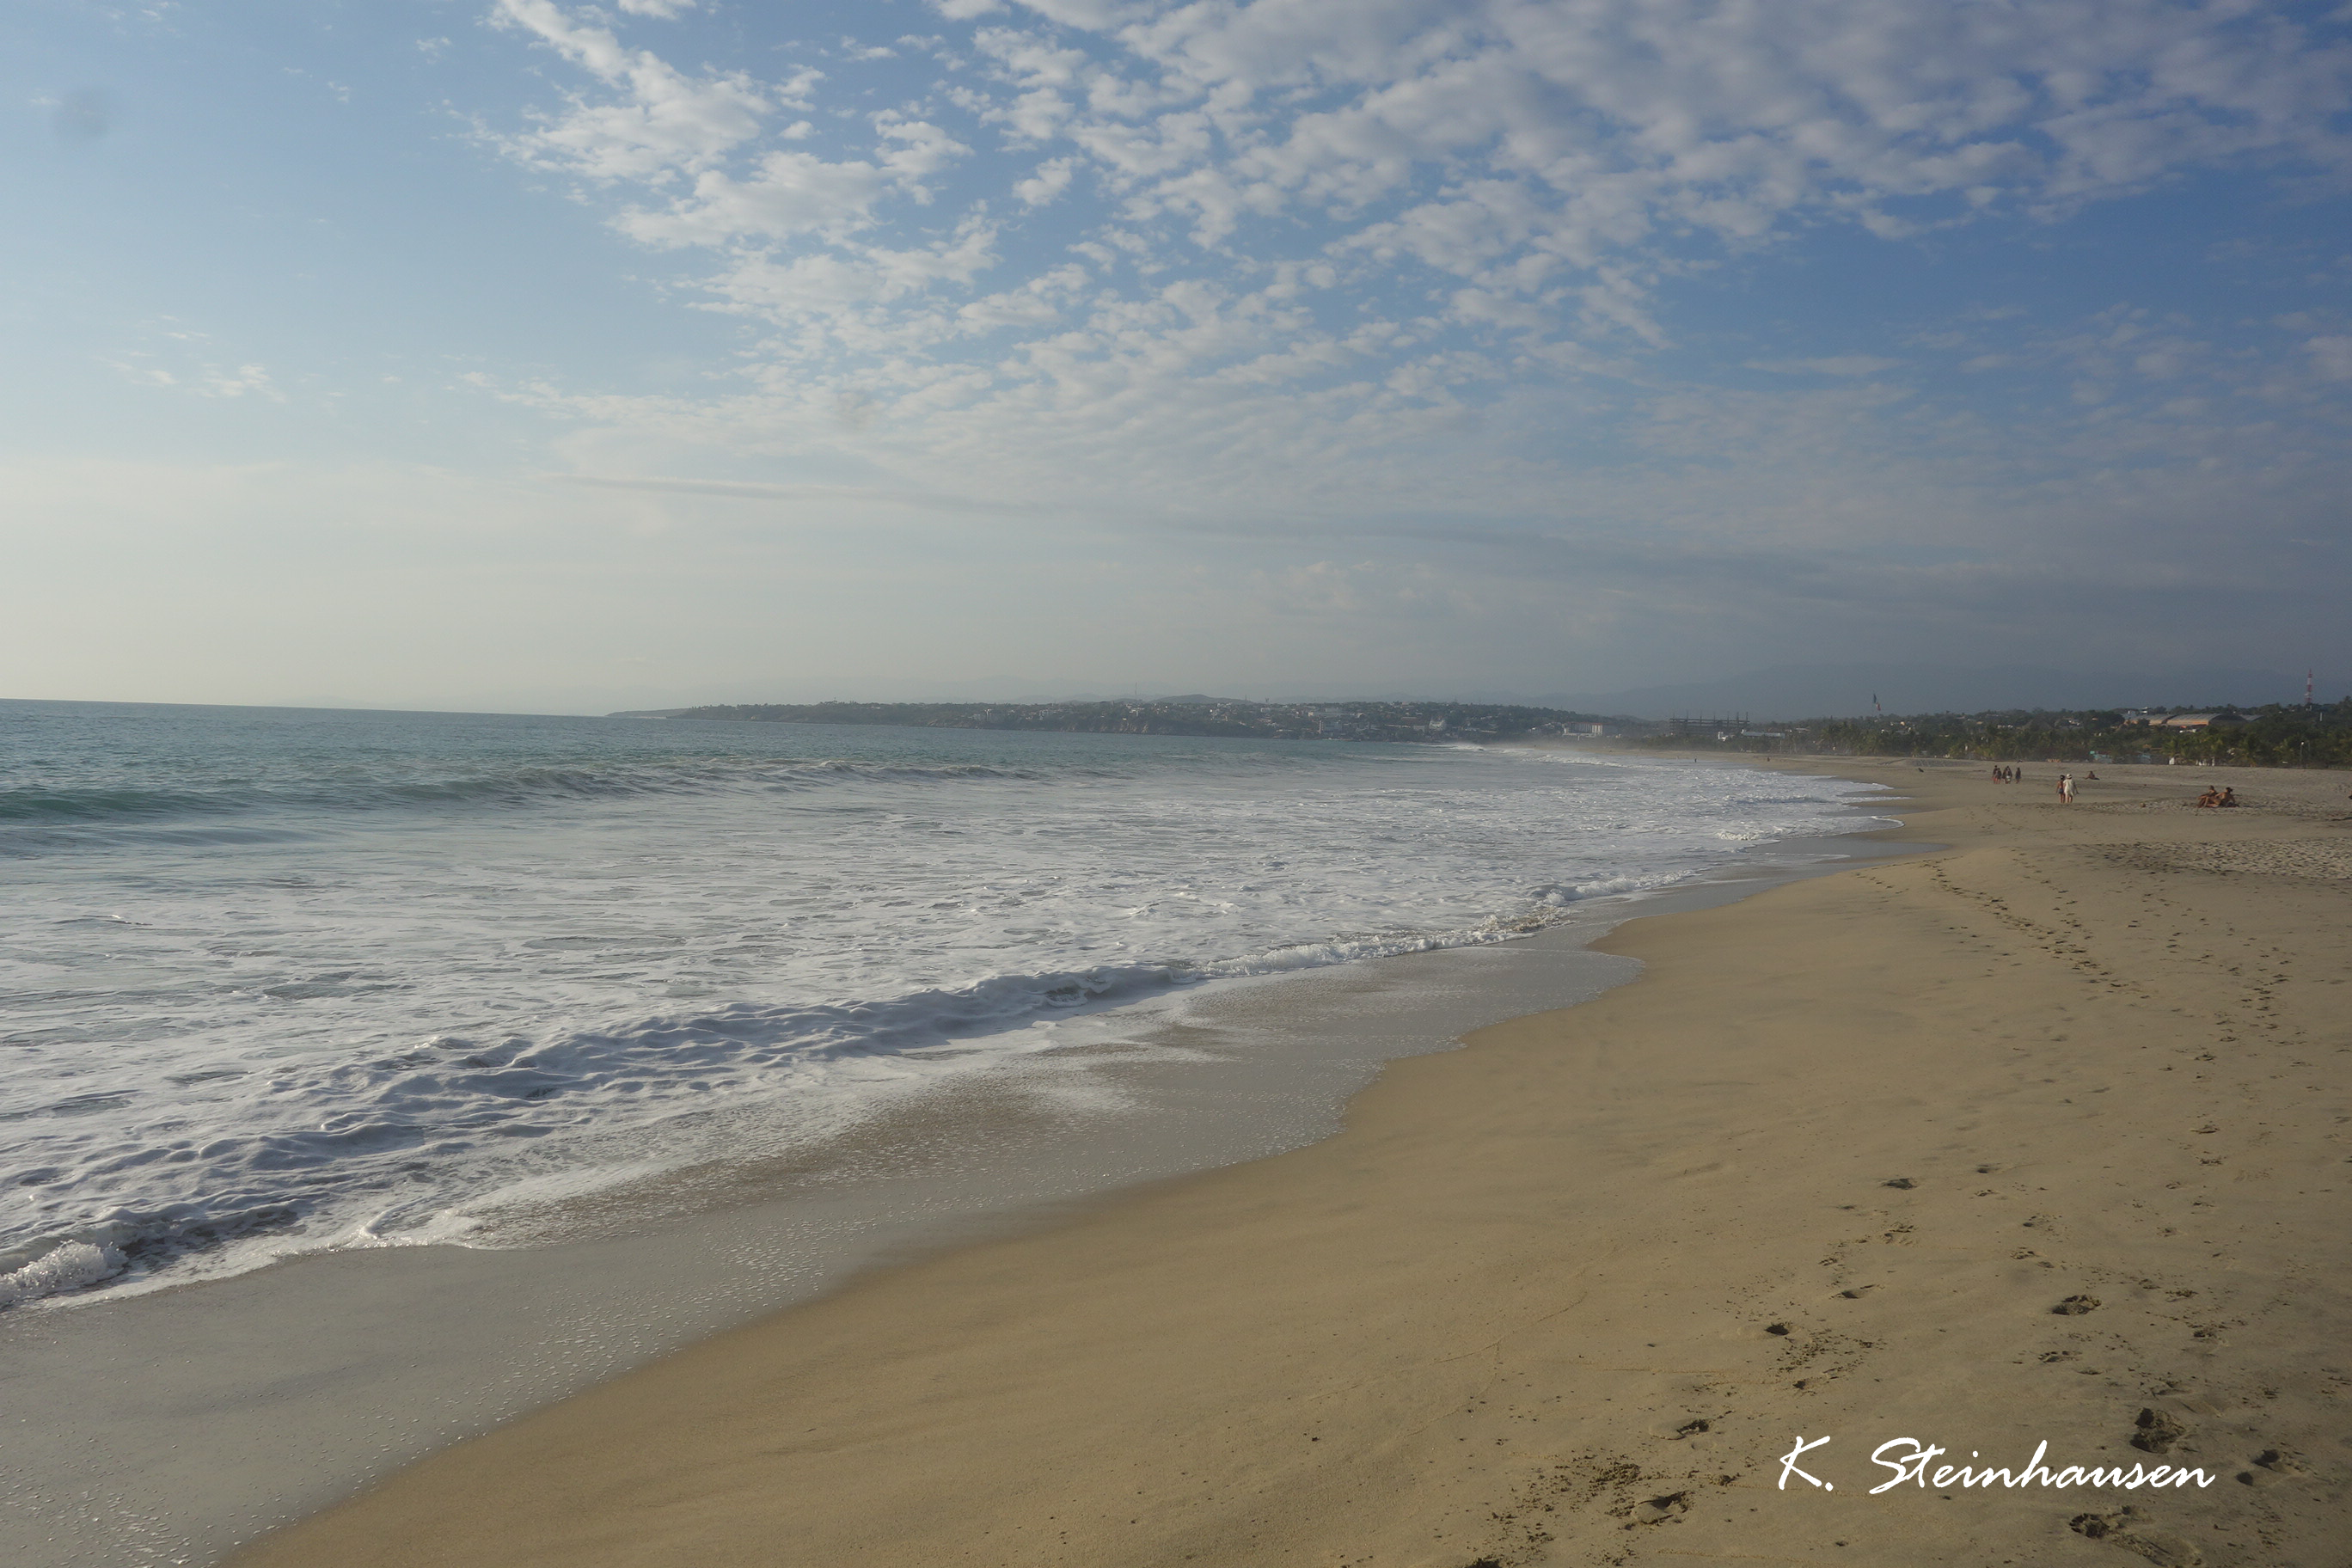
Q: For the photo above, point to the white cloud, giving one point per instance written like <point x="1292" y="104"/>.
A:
<point x="834" y="301"/>
<point x="144" y="374"/>
<point x="1019" y="308"/>
<point x="237" y="383"/>
<point x="665" y="123"/>
<point x="1046" y="185"/>
<point x="204" y="377"/>
<point x="920" y="151"/>
<point x="1398" y="254"/>
<point x="786" y="195"/>
<point x="2331" y="357"/>
<point x="1840" y="364"/>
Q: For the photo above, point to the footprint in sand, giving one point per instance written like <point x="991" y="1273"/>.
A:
<point x="2158" y="1431"/>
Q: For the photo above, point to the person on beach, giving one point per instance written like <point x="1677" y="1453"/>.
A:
<point x="2229" y="796"/>
<point x="2065" y="789"/>
<point x="2210" y="797"/>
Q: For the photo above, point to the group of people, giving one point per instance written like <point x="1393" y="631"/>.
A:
<point x="2003" y="774"/>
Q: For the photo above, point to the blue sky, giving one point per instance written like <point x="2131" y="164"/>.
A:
<point x="531" y="353"/>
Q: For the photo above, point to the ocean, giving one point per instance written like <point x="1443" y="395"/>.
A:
<point x="288" y="981"/>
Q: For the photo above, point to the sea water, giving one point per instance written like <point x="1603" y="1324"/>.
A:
<point x="275" y="981"/>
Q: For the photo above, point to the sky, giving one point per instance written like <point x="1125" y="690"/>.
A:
<point x="538" y="355"/>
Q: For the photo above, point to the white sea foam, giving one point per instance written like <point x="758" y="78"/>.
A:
<point x="65" y="1266"/>
<point x="431" y="968"/>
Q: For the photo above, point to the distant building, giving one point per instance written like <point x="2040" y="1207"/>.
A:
<point x="2185" y="720"/>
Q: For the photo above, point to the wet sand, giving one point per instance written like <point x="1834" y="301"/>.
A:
<point x="2040" y="1137"/>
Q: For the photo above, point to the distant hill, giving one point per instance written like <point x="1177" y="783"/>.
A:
<point x="1195" y="715"/>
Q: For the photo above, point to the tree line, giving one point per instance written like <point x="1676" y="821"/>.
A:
<point x="2279" y="735"/>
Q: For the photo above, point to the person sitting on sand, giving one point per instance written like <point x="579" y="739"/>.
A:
<point x="2210" y="797"/>
<point x="2229" y="797"/>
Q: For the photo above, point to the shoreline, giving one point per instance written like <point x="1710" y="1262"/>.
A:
<point x="2002" y="1144"/>
<point x="229" y="1405"/>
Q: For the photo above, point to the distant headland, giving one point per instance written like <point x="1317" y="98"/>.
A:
<point x="1195" y="715"/>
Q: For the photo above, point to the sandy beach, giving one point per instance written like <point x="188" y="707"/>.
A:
<point x="2036" y="1139"/>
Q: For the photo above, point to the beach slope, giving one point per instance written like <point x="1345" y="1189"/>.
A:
<point x="2036" y="1139"/>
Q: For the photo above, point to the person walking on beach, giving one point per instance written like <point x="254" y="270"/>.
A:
<point x="2065" y="789"/>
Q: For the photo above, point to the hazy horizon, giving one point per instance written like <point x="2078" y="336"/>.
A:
<point x="1782" y="692"/>
<point x="532" y="355"/>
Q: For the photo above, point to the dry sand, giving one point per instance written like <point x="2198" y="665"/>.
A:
<point x="1566" y="1296"/>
